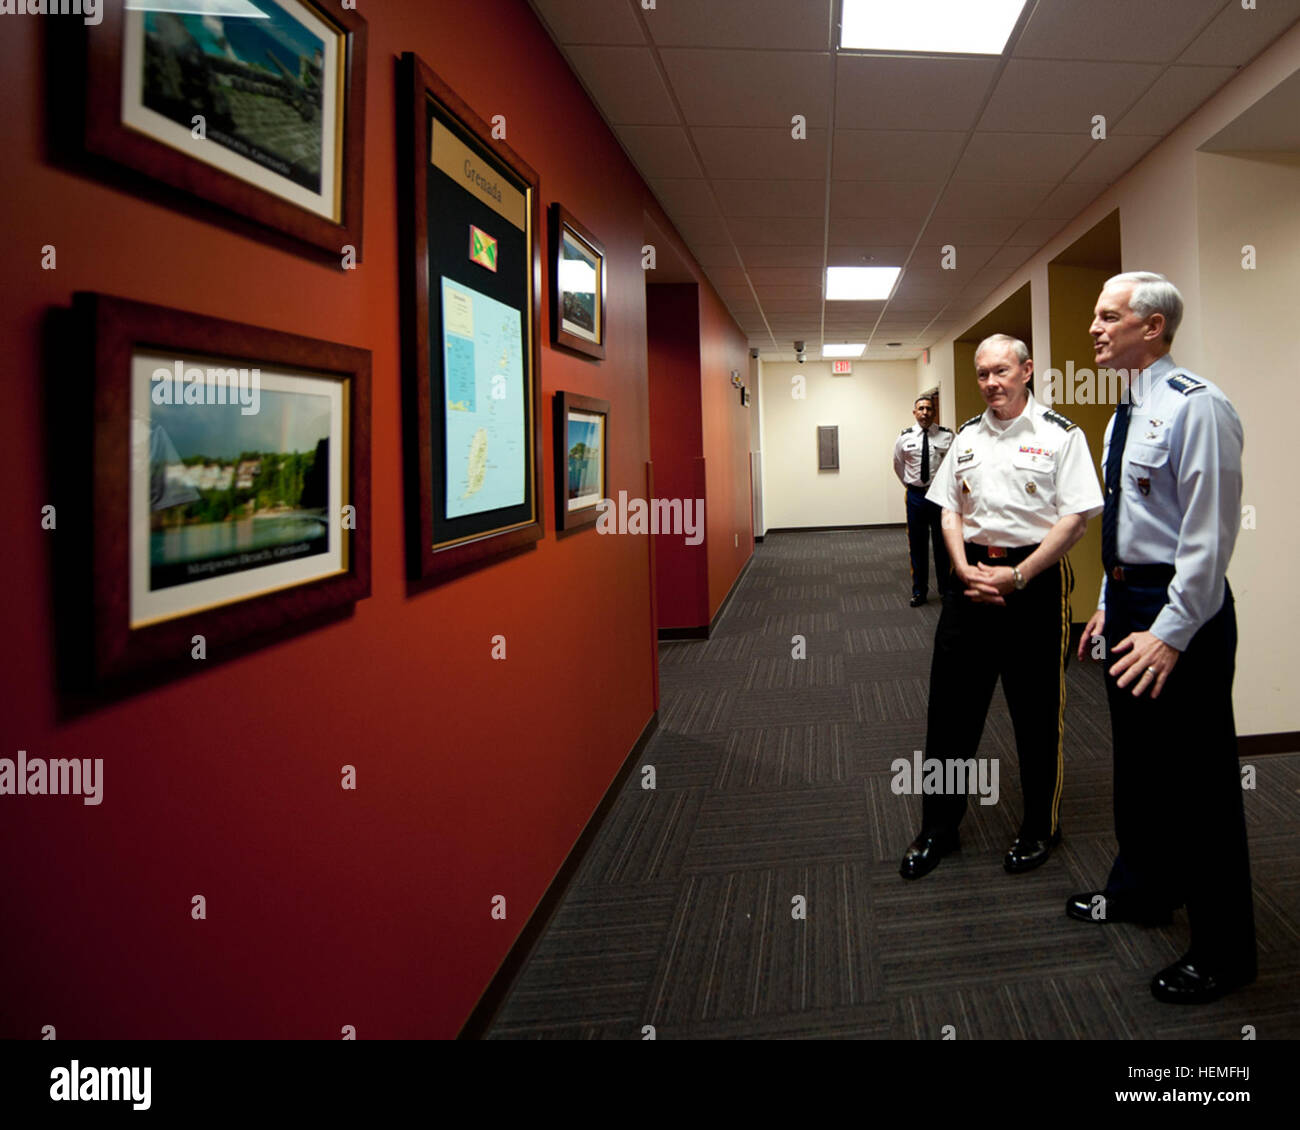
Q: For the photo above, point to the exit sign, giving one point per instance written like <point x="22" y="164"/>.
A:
<point x="841" y="368"/>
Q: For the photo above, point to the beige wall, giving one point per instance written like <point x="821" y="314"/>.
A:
<point x="1252" y="352"/>
<point x="1072" y="298"/>
<point x="1165" y="217"/>
<point x="870" y="407"/>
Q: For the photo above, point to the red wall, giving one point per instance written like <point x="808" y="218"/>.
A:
<point x="677" y="446"/>
<point x="724" y="349"/>
<point x="327" y="907"/>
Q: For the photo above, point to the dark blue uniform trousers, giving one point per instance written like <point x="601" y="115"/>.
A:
<point x="924" y="524"/>
<point x="1026" y="642"/>
<point x="1178" y="806"/>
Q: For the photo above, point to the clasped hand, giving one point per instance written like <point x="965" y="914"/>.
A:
<point x="988" y="584"/>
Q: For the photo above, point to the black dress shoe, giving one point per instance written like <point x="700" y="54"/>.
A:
<point x="1114" y="908"/>
<point x="926" y="851"/>
<point x="1027" y="854"/>
<point x="917" y="601"/>
<point x="1187" y="982"/>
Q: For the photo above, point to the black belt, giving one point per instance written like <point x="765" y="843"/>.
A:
<point x="1142" y="574"/>
<point x="917" y="486"/>
<point x="997" y="555"/>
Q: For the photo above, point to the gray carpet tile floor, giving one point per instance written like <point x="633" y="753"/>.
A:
<point x="773" y="794"/>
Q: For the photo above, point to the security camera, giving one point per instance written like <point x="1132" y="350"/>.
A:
<point x="801" y="358"/>
<point x="754" y="353"/>
<point x="798" y="346"/>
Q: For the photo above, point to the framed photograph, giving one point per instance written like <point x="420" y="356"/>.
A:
<point x="231" y="486"/>
<point x="577" y="286"/>
<point x="581" y="459"/>
<point x="469" y="213"/>
<point x="255" y="105"/>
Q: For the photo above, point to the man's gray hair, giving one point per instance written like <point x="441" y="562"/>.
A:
<point x="1018" y="347"/>
<point x="1153" y="294"/>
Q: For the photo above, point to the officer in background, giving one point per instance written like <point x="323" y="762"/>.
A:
<point x="1017" y="490"/>
<point x="917" y="455"/>
<point x="1173" y="508"/>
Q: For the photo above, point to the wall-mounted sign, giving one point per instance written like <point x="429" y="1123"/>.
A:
<point x="841" y="368"/>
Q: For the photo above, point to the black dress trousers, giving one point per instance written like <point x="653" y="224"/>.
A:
<point x="1026" y="642"/>
<point x="1178" y="807"/>
<point x="925" y="527"/>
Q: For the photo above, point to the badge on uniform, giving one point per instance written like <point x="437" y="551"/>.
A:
<point x="1032" y="488"/>
<point x="1144" y="485"/>
<point x="965" y="487"/>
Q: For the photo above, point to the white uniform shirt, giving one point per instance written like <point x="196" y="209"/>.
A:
<point x="907" y="453"/>
<point x="1011" y="484"/>
<point x="1180" y="492"/>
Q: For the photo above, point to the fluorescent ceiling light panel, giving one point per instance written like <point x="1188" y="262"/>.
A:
<point x="860" y="284"/>
<point x="843" y="350"/>
<point x="941" y="27"/>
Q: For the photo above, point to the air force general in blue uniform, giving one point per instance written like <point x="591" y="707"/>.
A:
<point x="1173" y="507"/>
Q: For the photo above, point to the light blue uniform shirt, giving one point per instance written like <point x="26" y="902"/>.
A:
<point x="1180" y="492"/>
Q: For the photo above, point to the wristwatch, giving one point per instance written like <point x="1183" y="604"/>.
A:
<point x="1020" y="581"/>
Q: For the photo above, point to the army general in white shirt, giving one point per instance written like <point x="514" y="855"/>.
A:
<point x="1017" y="490"/>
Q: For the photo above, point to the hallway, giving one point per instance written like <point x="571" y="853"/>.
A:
<point x="773" y="780"/>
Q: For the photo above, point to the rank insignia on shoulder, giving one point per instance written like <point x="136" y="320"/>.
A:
<point x="1059" y="420"/>
<point x="1185" y="383"/>
<point x="943" y="429"/>
<point x="1144" y="485"/>
<point x="905" y="431"/>
<point x="972" y="420"/>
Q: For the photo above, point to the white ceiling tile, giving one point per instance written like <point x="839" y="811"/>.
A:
<point x="581" y="21"/>
<point x="1068" y="200"/>
<point x="889" y="231"/>
<point x="797" y="255"/>
<point x="685" y="198"/>
<point x="625" y="84"/>
<point x="764" y="277"/>
<point x="660" y="151"/>
<point x="867" y="255"/>
<point x="1111" y="158"/>
<point x="863" y="154"/>
<point x="771" y="197"/>
<point x="738" y="294"/>
<point x="735" y="153"/>
<point x="1035" y="233"/>
<point x="807" y="294"/>
<point x="995" y="200"/>
<point x="700" y="229"/>
<point x="883" y="199"/>
<point x="798" y="25"/>
<point x="878" y="92"/>
<point x="1238" y="34"/>
<point x="771" y="231"/>
<point x="1012" y="156"/>
<point x="944" y="231"/>
<point x="1151" y="31"/>
<point x="727" y="277"/>
<point x="715" y="255"/>
<point x="750" y="88"/>
<point x="1272" y="124"/>
<point x="1063" y="97"/>
<point x="1177" y="92"/>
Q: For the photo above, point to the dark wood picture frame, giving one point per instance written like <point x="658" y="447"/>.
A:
<point x="107" y="135"/>
<point x="563" y="220"/>
<point x="113" y="331"/>
<point x="565" y="402"/>
<point x="439" y="547"/>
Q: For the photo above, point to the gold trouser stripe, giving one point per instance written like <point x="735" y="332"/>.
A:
<point x="1066" y="574"/>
